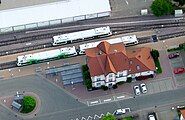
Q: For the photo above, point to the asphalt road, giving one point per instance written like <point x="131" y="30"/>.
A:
<point x="53" y="99"/>
<point x="57" y="105"/>
<point x="138" y="103"/>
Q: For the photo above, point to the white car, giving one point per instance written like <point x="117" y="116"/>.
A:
<point x="121" y="111"/>
<point x="143" y="88"/>
<point x="137" y="90"/>
<point x="152" y="116"/>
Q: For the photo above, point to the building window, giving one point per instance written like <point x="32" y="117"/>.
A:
<point x="110" y="75"/>
<point x="98" y="84"/>
<point x="138" y="67"/>
<point x="121" y="75"/>
<point x="98" y="79"/>
<point x="130" y="61"/>
<point x="110" y="79"/>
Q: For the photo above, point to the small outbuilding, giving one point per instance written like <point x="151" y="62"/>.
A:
<point x="16" y="106"/>
<point x="144" y="12"/>
<point x="17" y="101"/>
<point x="178" y="13"/>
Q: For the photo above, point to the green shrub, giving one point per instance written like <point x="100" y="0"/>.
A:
<point x="129" y="79"/>
<point x="115" y="86"/>
<point x="128" y="118"/>
<point x="121" y="82"/>
<point x="28" y="104"/>
<point x="155" y="54"/>
<point x="86" y="77"/>
<point x="181" y="46"/>
<point x="158" y="65"/>
<point x="104" y="87"/>
<point x="88" y="83"/>
<point x="108" y="117"/>
<point x="85" y="68"/>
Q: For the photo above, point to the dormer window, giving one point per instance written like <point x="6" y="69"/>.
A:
<point x="138" y="67"/>
<point x="98" y="79"/>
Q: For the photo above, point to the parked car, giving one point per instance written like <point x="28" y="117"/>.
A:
<point x="173" y="55"/>
<point x="154" y="38"/>
<point x="152" y="116"/>
<point x="143" y="88"/>
<point x="179" y="70"/>
<point x="121" y="111"/>
<point x="137" y="90"/>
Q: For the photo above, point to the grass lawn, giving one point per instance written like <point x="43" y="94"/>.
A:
<point x="128" y="118"/>
<point x="158" y="65"/>
<point x="28" y="104"/>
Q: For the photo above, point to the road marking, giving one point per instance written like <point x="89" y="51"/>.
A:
<point x="107" y="100"/>
<point x="83" y="118"/>
<point x="114" y="97"/>
<point x="94" y="102"/>
<point x="87" y="103"/>
<point x="96" y="116"/>
<point x="119" y="97"/>
<point x="89" y="118"/>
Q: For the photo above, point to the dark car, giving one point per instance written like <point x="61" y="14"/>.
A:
<point x="154" y="38"/>
<point x="173" y="55"/>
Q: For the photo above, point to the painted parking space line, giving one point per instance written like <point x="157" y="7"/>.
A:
<point x="94" y="102"/>
<point x="120" y="97"/>
<point x="107" y="100"/>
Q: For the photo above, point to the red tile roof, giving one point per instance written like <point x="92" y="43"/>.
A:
<point x="183" y="113"/>
<point x="106" y="58"/>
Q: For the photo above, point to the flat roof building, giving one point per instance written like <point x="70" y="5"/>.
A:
<point x="52" y="13"/>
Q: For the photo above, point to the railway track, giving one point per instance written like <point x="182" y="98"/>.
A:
<point x="47" y="45"/>
<point x="121" y="29"/>
<point x="141" y="40"/>
<point x="8" y="65"/>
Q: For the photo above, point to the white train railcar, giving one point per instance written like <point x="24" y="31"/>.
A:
<point x="86" y="34"/>
<point x="127" y="40"/>
<point x="46" y="55"/>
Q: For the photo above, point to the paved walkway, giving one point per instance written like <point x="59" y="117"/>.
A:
<point x="7" y="101"/>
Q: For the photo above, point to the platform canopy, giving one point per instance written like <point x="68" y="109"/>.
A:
<point x="51" y="11"/>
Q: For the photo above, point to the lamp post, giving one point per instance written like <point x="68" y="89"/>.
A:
<point x="72" y="83"/>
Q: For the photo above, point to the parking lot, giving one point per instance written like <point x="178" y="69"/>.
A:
<point x="179" y="62"/>
<point x="157" y="86"/>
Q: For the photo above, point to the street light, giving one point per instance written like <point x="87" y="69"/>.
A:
<point x="72" y="85"/>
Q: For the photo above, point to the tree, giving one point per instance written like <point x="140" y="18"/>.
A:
<point x="161" y="7"/>
<point x="108" y="117"/>
<point x="28" y="104"/>
<point x="180" y="2"/>
<point x="155" y="54"/>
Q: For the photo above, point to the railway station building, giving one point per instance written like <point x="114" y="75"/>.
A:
<point x="109" y="64"/>
<point x="37" y="16"/>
